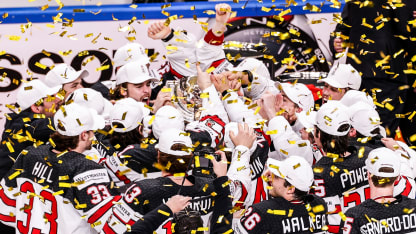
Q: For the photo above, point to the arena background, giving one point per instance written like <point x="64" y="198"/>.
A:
<point x="35" y="34"/>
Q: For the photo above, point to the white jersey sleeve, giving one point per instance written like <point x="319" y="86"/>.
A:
<point x="181" y="48"/>
<point x="238" y="111"/>
<point x="258" y="86"/>
<point x="334" y="215"/>
<point x="209" y="51"/>
<point x="212" y="104"/>
<point x="240" y="175"/>
<point x="405" y="186"/>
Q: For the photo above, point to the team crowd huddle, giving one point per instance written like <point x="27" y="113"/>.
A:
<point x="256" y="156"/>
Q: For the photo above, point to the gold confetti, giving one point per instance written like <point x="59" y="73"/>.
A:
<point x="209" y="12"/>
<point x="64" y="185"/>
<point x="389" y="107"/>
<point x="335" y="168"/>
<point x="14" y="175"/>
<point x="361" y="152"/>
<point x="318" y="208"/>
<point x="65" y="53"/>
<point x="270" y="24"/>
<point x="318" y="169"/>
<point x="151" y="120"/>
<point x="271" y="132"/>
<point x="343" y="216"/>
<point x="165" y="13"/>
<point x="95" y="39"/>
<point x="265" y="9"/>
<point x="166" y="90"/>
<point x="102" y="68"/>
<point x="276" y="212"/>
<point x="65" y="177"/>
<point x="95" y="13"/>
<point x="58" y="193"/>
<point x="163" y="213"/>
<point x="204" y="95"/>
<point x="311" y="8"/>
<point x="44" y="7"/>
<point x="14" y="38"/>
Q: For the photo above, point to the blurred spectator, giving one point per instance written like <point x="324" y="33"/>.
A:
<point x="367" y="30"/>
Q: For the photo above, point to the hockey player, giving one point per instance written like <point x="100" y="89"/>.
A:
<point x="133" y="80"/>
<point x="92" y="99"/>
<point x="366" y="130"/>
<point x="186" y="51"/>
<point x="382" y="212"/>
<point x="293" y="99"/>
<point x="208" y="130"/>
<point x="66" y="77"/>
<point x="254" y="77"/>
<point x="31" y="122"/>
<point x="129" y="156"/>
<point x="130" y="52"/>
<point x="253" y="189"/>
<point x="175" y="158"/>
<point x="339" y="175"/>
<point x="182" y="221"/>
<point x="291" y="209"/>
<point x="341" y="78"/>
<point x="54" y="188"/>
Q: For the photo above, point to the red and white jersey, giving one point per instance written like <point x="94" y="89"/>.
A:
<point x="184" y="50"/>
<point x="317" y="153"/>
<point x="248" y="187"/>
<point x="145" y="195"/>
<point x="181" y="48"/>
<point x="239" y="112"/>
<point x="405" y="186"/>
<point x="49" y="193"/>
<point x="32" y="209"/>
<point x="342" y="184"/>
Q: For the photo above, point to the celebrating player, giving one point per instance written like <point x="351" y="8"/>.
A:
<point x="382" y="212"/>
<point x="291" y="210"/>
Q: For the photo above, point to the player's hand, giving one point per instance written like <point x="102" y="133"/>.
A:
<point x="220" y="168"/>
<point x="391" y="144"/>
<point x="158" y="30"/>
<point x="245" y="136"/>
<point x="269" y="104"/>
<point x="162" y="99"/>
<point x="178" y="203"/>
<point x="220" y="82"/>
<point x="235" y="85"/>
<point x="222" y="13"/>
<point x="203" y="79"/>
<point x="338" y="45"/>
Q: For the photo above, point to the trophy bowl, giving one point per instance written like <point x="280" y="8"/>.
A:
<point x="186" y="95"/>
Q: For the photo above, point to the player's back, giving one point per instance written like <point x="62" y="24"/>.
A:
<point x="372" y="217"/>
<point x="277" y="215"/>
<point x="343" y="177"/>
<point x="342" y="183"/>
<point x="148" y="194"/>
<point x="42" y="189"/>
